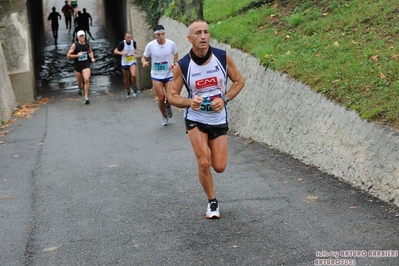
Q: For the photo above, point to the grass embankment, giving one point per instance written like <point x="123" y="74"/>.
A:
<point x="347" y="50"/>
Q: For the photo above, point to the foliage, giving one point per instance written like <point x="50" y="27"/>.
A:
<point x="154" y="9"/>
<point x="9" y="2"/>
<point x="343" y="49"/>
<point x="182" y="10"/>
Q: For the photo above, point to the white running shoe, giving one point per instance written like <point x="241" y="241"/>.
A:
<point x="164" y="121"/>
<point x="212" y="211"/>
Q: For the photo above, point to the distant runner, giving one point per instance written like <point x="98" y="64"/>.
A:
<point x="82" y="54"/>
<point x="127" y="49"/>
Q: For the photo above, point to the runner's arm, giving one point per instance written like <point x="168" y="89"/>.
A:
<point x="238" y="83"/>
<point x="118" y="50"/>
<point x="91" y="54"/>
<point x="70" y="54"/>
<point x="174" y="97"/>
<point x="175" y="58"/>
<point x="144" y="61"/>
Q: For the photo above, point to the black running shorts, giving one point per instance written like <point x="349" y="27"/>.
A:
<point x="213" y="131"/>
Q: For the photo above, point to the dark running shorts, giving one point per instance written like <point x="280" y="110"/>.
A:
<point x="213" y="131"/>
<point x="125" y="67"/>
<point x="163" y="80"/>
<point x="81" y="67"/>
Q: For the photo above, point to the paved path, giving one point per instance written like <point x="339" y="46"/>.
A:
<point x="106" y="184"/>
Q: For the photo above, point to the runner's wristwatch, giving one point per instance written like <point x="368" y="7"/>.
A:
<point x="225" y="99"/>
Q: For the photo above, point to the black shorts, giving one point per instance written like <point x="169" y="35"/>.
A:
<point x="79" y="68"/>
<point x="213" y="131"/>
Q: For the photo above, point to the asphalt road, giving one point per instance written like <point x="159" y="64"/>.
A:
<point x="106" y="184"/>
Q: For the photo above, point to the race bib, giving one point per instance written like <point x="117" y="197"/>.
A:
<point x="129" y="58"/>
<point x="206" y="104"/>
<point x="83" y="57"/>
<point x="161" y="66"/>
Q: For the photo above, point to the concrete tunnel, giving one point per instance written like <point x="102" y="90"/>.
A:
<point x="115" y="17"/>
<point x="115" y="24"/>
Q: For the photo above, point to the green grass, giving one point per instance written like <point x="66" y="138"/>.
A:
<point x="346" y="50"/>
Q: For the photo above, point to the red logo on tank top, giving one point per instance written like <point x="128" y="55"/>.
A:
<point x="206" y="83"/>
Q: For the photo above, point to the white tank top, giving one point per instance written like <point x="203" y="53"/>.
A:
<point x="208" y="81"/>
<point x="128" y="60"/>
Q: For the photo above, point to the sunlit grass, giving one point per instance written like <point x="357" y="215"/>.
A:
<point x="215" y="11"/>
<point x="346" y="50"/>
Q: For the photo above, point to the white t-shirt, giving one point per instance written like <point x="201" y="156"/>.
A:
<point x="161" y="58"/>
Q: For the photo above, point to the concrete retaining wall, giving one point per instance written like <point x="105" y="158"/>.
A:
<point x="290" y="117"/>
<point x="16" y="49"/>
<point x="7" y="97"/>
<point x="142" y="34"/>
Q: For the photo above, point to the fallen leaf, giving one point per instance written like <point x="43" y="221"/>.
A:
<point x="27" y="109"/>
<point x="43" y="100"/>
<point x="113" y="166"/>
<point x="311" y="199"/>
<point x="300" y="179"/>
<point x="374" y="58"/>
<point x="3" y="133"/>
<point x="7" y="197"/>
<point x="50" y="249"/>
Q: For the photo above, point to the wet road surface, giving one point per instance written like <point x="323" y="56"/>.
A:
<point x="57" y="74"/>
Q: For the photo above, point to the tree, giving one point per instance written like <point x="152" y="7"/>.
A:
<point x="200" y="5"/>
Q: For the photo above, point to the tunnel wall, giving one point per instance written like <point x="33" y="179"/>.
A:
<point x="142" y="34"/>
<point x="7" y="96"/>
<point x="37" y="35"/>
<point x="17" y="49"/>
<point x="115" y="20"/>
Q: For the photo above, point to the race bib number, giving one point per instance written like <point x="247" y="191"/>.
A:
<point x="161" y="67"/>
<point x="206" y="104"/>
<point x="83" y="57"/>
<point x="129" y="58"/>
